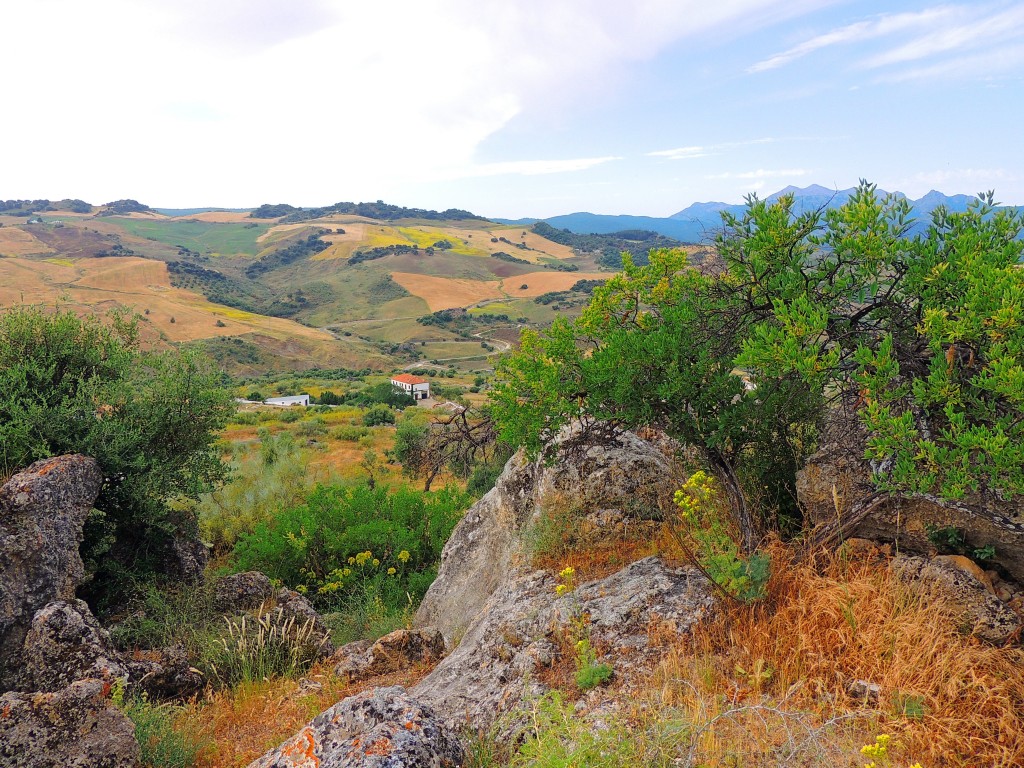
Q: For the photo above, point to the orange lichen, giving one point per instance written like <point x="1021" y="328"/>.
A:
<point x="300" y="751"/>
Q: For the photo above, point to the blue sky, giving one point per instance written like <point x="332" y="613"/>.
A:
<point x="517" y="108"/>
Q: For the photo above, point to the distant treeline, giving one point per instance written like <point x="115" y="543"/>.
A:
<point x="585" y="287"/>
<point x="288" y="255"/>
<point x="609" y="247"/>
<point x="378" y="210"/>
<point x="387" y="250"/>
<point x="30" y="207"/>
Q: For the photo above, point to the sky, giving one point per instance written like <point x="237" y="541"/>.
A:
<point x="508" y="109"/>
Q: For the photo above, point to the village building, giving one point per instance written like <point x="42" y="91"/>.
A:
<point x="291" y="400"/>
<point x="413" y="385"/>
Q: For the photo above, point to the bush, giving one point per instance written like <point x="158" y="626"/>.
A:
<point x="160" y="744"/>
<point x="379" y="414"/>
<point x="344" y="543"/>
<point x="261" y="647"/>
<point x="78" y="385"/>
<point x="349" y="433"/>
<point x="289" y="415"/>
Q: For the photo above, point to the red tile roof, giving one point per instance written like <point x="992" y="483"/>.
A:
<point x="407" y="378"/>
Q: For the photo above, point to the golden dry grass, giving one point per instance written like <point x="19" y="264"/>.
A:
<point x="241" y="724"/>
<point x="218" y="217"/>
<point x="141" y="284"/>
<point x="449" y="292"/>
<point x="17" y="242"/>
<point x="821" y="629"/>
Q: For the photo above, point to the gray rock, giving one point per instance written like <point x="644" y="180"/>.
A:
<point x="65" y="644"/>
<point x="242" y="591"/>
<point x="982" y="612"/>
<point x="76" y="727"/>
<point x="186" y="556"/>
<point x="165" y="674"/>
<point x="42" y="509"/>
<point x="524" y="624"/>
<point x="398" y="650"/>
<point x="293" y="605"/>
<point x="588" y="469"/>
<point x="379" y="728"/>
<point x="836" y="480"/>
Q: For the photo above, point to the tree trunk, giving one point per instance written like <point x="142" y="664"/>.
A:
<point x="742" y="513"/>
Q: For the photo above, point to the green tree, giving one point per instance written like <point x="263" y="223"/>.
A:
<point x="656" y="347"/>
<point x="79" y="385"/>
<point x="923" y="334"/>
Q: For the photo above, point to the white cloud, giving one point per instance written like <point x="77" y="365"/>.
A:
<point x="976" y="42"/>
<point x="854" y="33"/>
<point x="690" y="153"/>
<point x="240" y="101"/>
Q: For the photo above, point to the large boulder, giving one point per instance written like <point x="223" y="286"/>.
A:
<point x="294" y="606"/>
<point x="525" y="625"/>
<point x="585" y="469"/>
<point x="42" y="510"/>
<point x="242" y="592"/>
<point x="835" y="483"/>
<point x="395" y="651"/>
<point x="940" y="578"/>
<point x="76" y="727"/>
<point x="65" y="644"/>
<point x="379" y="728"/>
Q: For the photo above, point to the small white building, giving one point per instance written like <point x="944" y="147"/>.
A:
<point x="413" y="385"/>
<point x="291" y="400"/>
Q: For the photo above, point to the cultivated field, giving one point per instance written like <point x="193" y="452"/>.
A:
<point x="18" y="242"/>
<point x="448" y="293"/>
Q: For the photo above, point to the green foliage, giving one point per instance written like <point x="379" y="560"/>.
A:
<point x="590" y="674"/>
<point x="76" y="385"/>
<point x="321" y="546"/>
<point x="379" y="414"/>
<point x="262" y="482"/>
<point x="252" y="648"/>
<point x="707" y="539"/>
<point x="950" y="540"/>
<point x="161" y="744"/>
<point x="926" y="331"/>
<point x="559" y="738"/>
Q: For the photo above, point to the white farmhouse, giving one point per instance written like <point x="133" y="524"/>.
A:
<point x="413" y="385"/>
<point x="292" y="400"/>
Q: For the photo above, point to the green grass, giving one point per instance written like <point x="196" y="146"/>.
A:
<point x="202" y="236"/>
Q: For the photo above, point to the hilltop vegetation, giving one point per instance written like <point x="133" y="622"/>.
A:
<point x="378" y="210"/>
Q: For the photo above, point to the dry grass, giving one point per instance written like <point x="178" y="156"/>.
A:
<point x="947" y="700"/>
<point x="18" y="242"/>
<point x="448" y="292"/>
<point x="241" y="724"/>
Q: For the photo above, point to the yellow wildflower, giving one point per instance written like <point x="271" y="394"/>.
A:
<point x="404" y="556"/>
<point x="392" y="571"/>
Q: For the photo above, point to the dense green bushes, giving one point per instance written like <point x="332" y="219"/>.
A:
<point x="79" y="385"/>
<point x="346" y="545"/>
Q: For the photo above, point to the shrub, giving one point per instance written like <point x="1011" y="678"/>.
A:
<point x="160" y="744"/>
<point x="78" y="385"/>
<point x="379" y="414"/>
<point x="349" y="433"/>
<point x="289" y="415"/>
<point x="344" y="542"/>
<point x="261" y="647"/>
<point x="312" y="427"/>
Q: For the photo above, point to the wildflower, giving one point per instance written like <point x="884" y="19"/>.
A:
<point x="351" y="561"/>
<point x="561" y="589"/>
<point x="376" y="562"/>
<point x="404" y="556"/>
<point x="392" y="571"/>
<point x="567" y="572"/>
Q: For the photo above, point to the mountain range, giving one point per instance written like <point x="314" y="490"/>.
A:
<point x="699" y="221"/>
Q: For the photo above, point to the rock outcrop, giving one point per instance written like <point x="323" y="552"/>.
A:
<point x="64" y="644"/>
<point x="586" y="470"/>
<point x="397" y="650"/>
<point x="242" y="592"/>
<point x="525" y="624"/>
<point x="42" y="510"/>
<point x="982" y="613"/>
<point x="292" y="605"/>
<point x="379" y="728"/>
<point x="76" y="727"/>
<point x="836" y="481"/>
